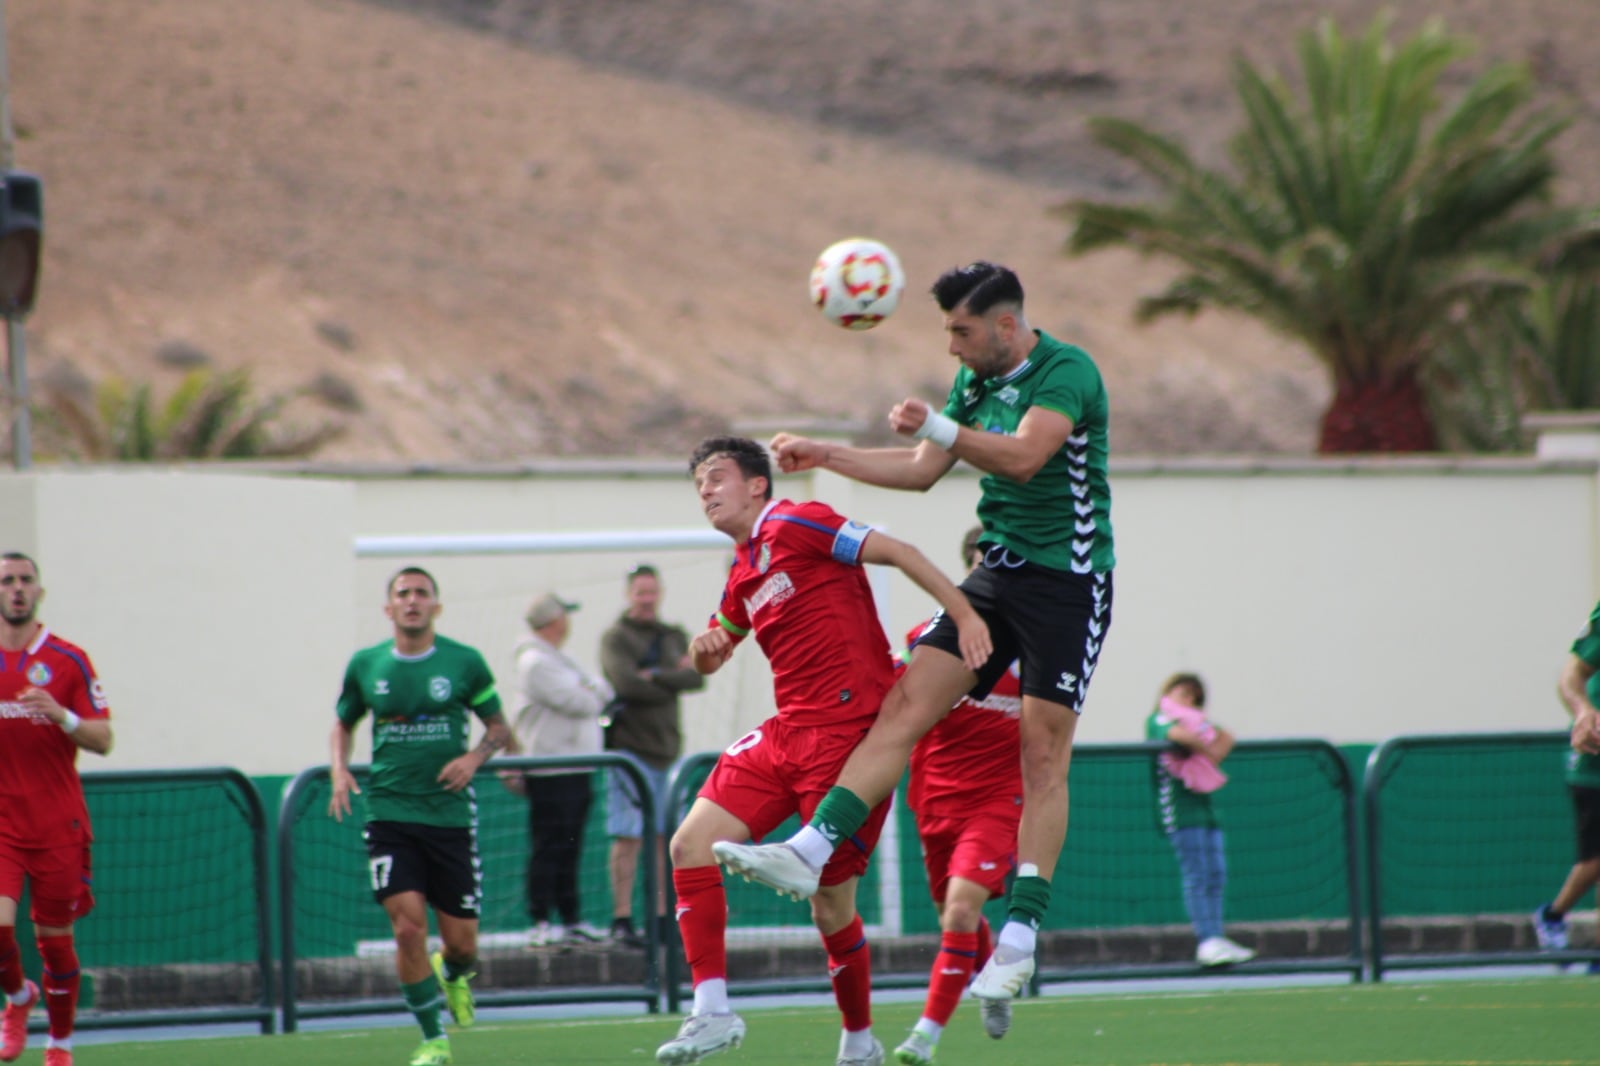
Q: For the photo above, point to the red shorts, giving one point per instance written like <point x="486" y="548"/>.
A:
<point x="777" y="770"/>
<point x="980" y="846"/>
<point x="59" y="877"/>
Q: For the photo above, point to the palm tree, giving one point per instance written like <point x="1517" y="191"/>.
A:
<point x="1540" y="353"/>
<point x="210" y="415"/>
<point x="1359" y="216"/>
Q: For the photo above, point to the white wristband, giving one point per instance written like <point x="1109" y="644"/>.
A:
<point x="939" y="428"/>
<point x="70" y="723"/>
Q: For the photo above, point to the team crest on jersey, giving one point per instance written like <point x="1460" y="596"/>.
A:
<point x="1008" y="396"/>
<point x="439" y="688"/>
<point x="39" y="674"/>
<point x="764" y="559"/>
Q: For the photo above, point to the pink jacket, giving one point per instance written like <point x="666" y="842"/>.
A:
<point x="1197" y="771"/>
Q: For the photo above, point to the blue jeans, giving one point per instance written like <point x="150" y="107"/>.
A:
<point x="624" y="814"/>
<point x="1205" y="877"/>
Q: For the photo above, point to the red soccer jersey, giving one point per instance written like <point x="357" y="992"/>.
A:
<point x="41" y="797"/>
<point x="799" y="585"/>
<point x="973" y="755"/>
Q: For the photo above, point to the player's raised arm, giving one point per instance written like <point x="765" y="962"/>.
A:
<point x="976" y="644"/>
<point x="891" y="468"/>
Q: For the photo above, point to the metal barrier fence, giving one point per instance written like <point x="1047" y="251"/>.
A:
<point x="1290" y="821"/>
<point x="1466" y="835"/>
<point x="180" y="931"/>
<point x="335" y="943"/>
<point x="1116" y="911"/>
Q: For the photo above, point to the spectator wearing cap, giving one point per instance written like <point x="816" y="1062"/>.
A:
<point x="558" y="707"/>
<point x="647" y="662"/>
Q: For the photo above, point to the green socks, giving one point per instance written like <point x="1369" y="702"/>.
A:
<point x="426" y="1000"/>
<point x="839" y="815"/>
<point x="1030" y="898"/>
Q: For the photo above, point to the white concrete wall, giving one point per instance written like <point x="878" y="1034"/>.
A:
<point x="1352" y="601"/>
<point x="213" y="605"/>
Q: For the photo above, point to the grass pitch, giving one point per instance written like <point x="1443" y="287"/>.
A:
<point x="1533" y="1022"/>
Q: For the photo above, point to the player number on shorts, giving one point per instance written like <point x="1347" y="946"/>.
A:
<point x="381" y="866"/>
<point x="745" y="743"/>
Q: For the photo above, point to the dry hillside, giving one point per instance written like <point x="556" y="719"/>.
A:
<point x="502" y="230"/>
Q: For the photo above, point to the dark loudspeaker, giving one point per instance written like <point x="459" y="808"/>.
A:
<point x="21" y="229"/>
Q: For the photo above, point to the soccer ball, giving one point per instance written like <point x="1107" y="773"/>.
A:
<point x="857" y="283"/>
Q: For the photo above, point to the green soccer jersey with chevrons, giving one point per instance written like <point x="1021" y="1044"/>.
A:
<point x="1061" y="518"/>
<point x="421" y="709"/>
<point x="1584" y="770"/>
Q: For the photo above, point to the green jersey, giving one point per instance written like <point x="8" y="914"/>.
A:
<point x="1178" y="806"/>
<point x="1061" y="518"/>
<point x="1584" y="770"/>
<point x="421" y="707"/>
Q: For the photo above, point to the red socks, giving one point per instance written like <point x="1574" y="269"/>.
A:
<point x="60" y="983"/>
<point x="703" y="920"/>
<point x="850" y="968"/>
<point x="10" y="961"/>
<point x="985" y="945"/>
<point x="952" y="969"/>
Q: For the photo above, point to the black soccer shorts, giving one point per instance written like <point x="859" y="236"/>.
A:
<point x="441" y="862"/>
<point x="1054" y="621"/>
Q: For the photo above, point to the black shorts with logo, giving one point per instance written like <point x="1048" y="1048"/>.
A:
<point x="1054" y="621"/>
<point x="441" y="862"/>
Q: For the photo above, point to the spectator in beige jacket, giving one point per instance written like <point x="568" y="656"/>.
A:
<point x="558" y="706"/>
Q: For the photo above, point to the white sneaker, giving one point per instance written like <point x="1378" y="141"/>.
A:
<point x="546" y="934"/>
<point x="584" y="933"/>
<point x="778" y="866"/>
<point x="915" y="1050"/>
<point x="1239" y="952"/>
<point x="701" y="1035"/>
<point x="1220" y="951"/>
<point x="1003" y="980"/>
<point x="873" y="1057"/>
<point x="996" y="1016"/>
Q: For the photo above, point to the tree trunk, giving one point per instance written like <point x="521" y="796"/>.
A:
<point x="1378" y="416"/>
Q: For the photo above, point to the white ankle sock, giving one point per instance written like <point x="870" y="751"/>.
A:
<point x="812" y="846"/>
<point x="1020" y="937"/>
<point x="711" y="996"/>
<point x="855" y="1045"/>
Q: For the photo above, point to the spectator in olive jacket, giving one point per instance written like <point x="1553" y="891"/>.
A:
<point x="647" y="662"/>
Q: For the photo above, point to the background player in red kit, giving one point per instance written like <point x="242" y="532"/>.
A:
<point x="50" y="706"/>
<point x="797" y="583"/>
<point x="966" y="790"/>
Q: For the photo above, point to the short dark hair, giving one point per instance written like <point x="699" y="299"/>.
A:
<point x="1187" y="679"/>
<point x="751" y="458"/>
<point x="979" y="287"/>
<point x="642" y="570"/>
<point x="406" y="571"/>
<point x="969" y="544"/>
<point x="19" y="557"/>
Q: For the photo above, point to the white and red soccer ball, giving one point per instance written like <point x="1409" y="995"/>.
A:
<point x="857" y="283"/>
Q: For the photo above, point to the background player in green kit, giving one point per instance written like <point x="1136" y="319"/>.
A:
<point x="1579" y="688"/>
<point x="1031" y="413"/>
<point x="422" y="690"/>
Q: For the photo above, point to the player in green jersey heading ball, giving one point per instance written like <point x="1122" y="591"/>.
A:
<point x="1031" y="413"/>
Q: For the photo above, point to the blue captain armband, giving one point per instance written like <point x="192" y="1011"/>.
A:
<point x="847" y="541"/>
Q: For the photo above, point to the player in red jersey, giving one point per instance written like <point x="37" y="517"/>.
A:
<point x="966" y="790"/>
<point x="797" y="584"/>
<point x="50" y="706"/>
